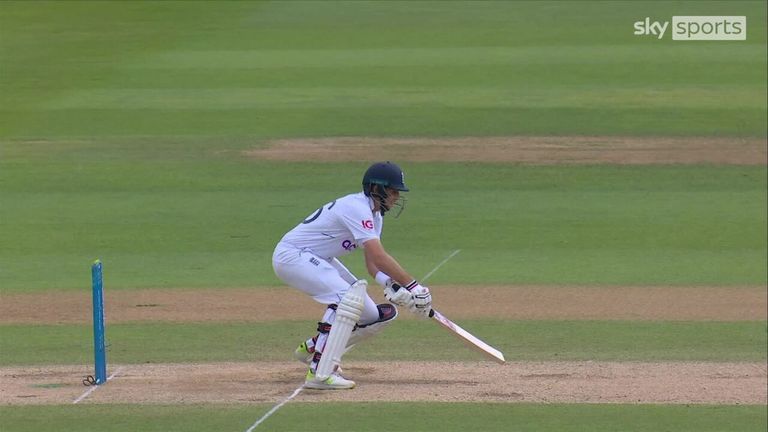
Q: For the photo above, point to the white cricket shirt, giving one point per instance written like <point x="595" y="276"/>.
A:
<point x="337" y="228"/>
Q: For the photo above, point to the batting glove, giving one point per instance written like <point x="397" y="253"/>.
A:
<point x="395" y="294"/>
<point x="422" y="301"/>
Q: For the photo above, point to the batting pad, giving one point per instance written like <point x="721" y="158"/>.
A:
<point x="347" y="315"/>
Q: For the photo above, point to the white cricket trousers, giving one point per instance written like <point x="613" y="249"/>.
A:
<point x="313" y="275"/>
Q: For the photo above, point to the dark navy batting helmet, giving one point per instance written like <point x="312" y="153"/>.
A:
<point x="386" y="174"/>
<point x="378" y="178"/>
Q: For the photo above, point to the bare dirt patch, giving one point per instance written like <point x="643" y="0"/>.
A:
<point x="547" y="382"/>
<point x="522" y="149"/>
<point x="503" y="302"/>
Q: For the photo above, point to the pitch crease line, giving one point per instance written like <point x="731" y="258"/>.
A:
<point x="453" y="254"/>
<point x="275" y="408"/>
<point x="93" y="388"/>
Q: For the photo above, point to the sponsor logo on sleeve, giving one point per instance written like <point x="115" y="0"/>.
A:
<point x="348" y="245"/>
<point x="368" y="224"/>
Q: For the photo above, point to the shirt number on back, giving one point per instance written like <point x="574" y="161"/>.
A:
<point x="316" y="214"/>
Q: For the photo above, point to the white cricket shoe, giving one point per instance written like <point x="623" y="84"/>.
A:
<point x="333" y="382"/>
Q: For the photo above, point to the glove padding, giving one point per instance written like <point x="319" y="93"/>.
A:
<point x="422" y="301"/>
<point x="395" y="294"/>
<point x="415" y="297"/>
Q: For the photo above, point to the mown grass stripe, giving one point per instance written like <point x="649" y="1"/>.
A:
<point x="389" y="417"/>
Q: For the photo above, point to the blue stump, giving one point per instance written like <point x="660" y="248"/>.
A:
<point x="99" y="345"/>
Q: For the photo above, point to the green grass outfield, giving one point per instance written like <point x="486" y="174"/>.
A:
<point x="206" y="224"/>
<point x="262" y="69"/>
<point x="121" y="131"/>
<point x="123" y="124"/>
<point x="375" y="417"/>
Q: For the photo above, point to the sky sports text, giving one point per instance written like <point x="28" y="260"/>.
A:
<point x="689" y="28"/>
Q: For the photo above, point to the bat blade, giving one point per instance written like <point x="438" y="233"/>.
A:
<point x="471" y="340"/>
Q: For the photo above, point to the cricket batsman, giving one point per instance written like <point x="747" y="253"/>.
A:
<point x="307" y="258"/>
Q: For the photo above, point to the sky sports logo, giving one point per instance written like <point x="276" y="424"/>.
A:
<point x="696" y="28"/>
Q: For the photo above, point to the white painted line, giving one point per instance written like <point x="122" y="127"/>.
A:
<point x="453" y="254"/>
<point x="275" y="408"/>
<point x="94" y="387"/>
